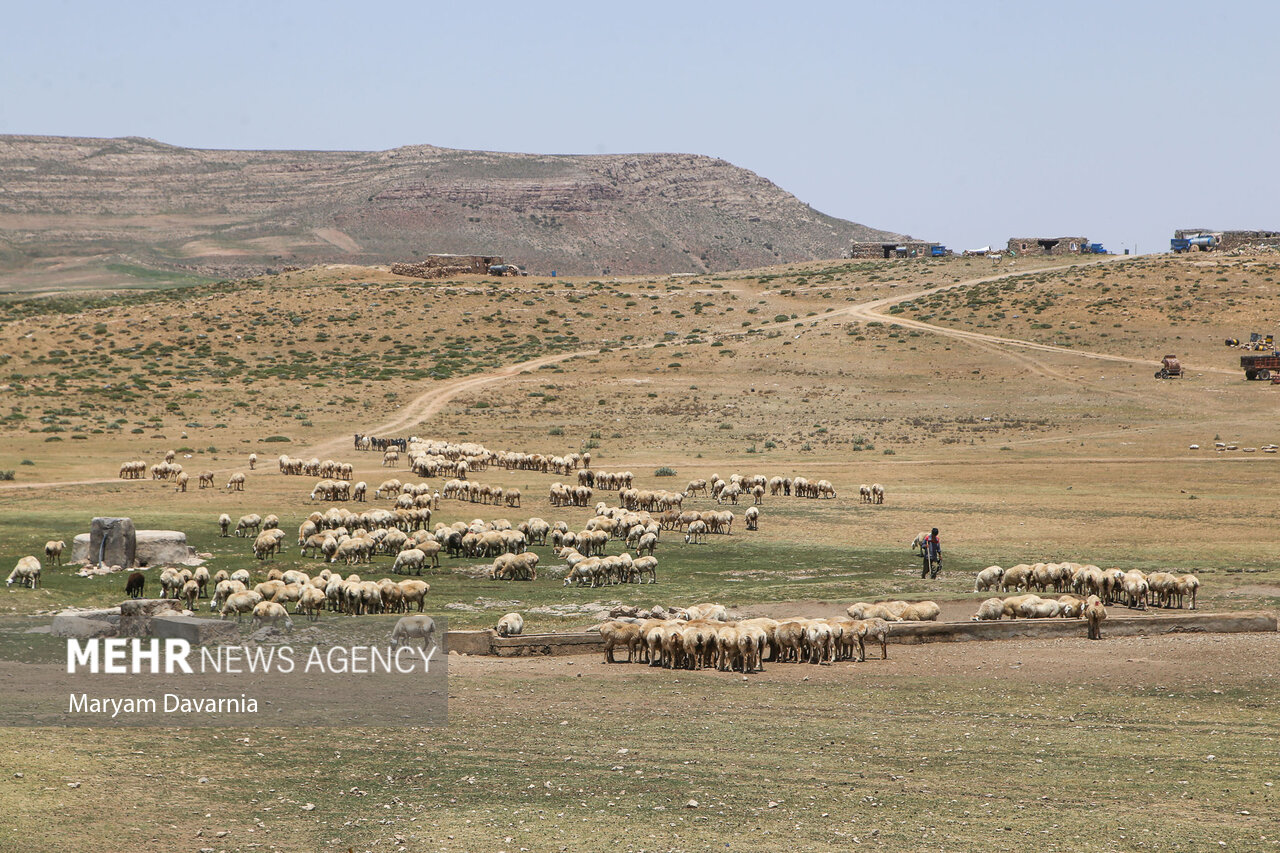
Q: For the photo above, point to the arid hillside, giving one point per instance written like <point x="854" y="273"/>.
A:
<point x="130" y="212"/>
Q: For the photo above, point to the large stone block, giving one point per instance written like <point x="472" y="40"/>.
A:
<point x="80" y="548"/>
<point x="86" y="624"/>
<point x="136" y="615"/>
<point x="112" y="541"/>
<point x="193" y="629"/>
<point x="161" y="547"/>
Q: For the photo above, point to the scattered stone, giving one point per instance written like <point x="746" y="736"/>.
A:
<point x="195" y="631"/>
<point x="86" y="624"/>
<point x="136" y="614"/>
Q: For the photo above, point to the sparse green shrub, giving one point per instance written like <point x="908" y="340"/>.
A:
<point x="272" y="439"/>
<point x="664" y="471"/>
<point x="8" y="475"/>
<point x="556" y="431"/>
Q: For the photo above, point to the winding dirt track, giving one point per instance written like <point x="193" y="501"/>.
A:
<point x="431" y="401"/>
<point x="425" y="405"/>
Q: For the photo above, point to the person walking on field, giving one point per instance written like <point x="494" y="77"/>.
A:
<point x="931" y="551"/>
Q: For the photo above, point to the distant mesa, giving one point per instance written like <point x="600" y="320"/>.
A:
<point x="120" y="209"/>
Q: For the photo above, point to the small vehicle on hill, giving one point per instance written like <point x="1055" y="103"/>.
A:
<point x="1170" y="367"/>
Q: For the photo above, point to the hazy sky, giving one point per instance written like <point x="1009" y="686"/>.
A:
<point x="961" y="122"/>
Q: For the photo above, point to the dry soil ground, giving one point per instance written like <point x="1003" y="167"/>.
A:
<point x="984" y="409"/>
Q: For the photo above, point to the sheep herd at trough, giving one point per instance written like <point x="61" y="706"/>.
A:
<point x="635" y="518"/>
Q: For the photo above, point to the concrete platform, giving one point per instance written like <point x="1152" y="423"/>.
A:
<point x="1115" y="626"/>
<point x="907" y="633"/>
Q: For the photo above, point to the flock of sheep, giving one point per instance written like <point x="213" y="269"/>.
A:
<point x="703" y="636"/>
<point x="693" y="637"/>
<point x="1132" y="588"/>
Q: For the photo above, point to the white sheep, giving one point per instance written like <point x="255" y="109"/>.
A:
<point x="25" y="573"/>
<point x="987" y="578"/>
<point x="991" y="609"/>
<point x="510" y="625"/>
<point x="236" y="482"/>
<point x="272" y="612"/>
<point x="224" y="521"/>
<point x="417" y="625"/>
<point x="239" y="603"/>
<point x="1095" y="614"/>
<point x="53" y="551"/>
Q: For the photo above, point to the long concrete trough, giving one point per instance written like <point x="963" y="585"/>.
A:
<point x="584" y="642"/>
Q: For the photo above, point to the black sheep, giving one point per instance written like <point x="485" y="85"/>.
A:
<point x="135" y="585"/>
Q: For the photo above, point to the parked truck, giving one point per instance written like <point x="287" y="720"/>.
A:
<point x="1200" y="242"/>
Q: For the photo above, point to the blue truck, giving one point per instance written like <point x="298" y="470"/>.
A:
<point x="1203" y="242"/>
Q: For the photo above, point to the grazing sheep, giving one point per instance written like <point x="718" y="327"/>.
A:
<point x="417" y="625"/>
<point x="1136" y="589"/>
<point x="253" y="461"/>
<point x="510" y="625"/>
<point x="311" y="602"/>
<point x="236" y="483"/>
<point x="753" y="518"/>
<point x="239" y="603"/>
<point x="1013" y="604"/>
<point x="1072" y="607"/>
<point x="921" y="611"/>
<point x="1095" y="614"/>
<point x="25" y="573"/>
<point x="189" y="593"/>
<point x="53" y="551"/>
<point x="224" y="521"/>
<point x="1188" y="585"/>
<point x="1016" y="577"/>
<point x="877" y="493"/>
<point x="615" y="634"/>
<point x="170" y="583"/>
<point x="987" y="578"/>
<point x="697" y="533"/>
<point x="205" y="479"/>
<point x="253" y="522"/>
<point x="864" y="493"/>
<point x="270" y="612"/>
<point x="136" y="585"/>
<point x="990" y="610"/>
<point x="876" y="630"/>
<point x="645" y="566"/>
<point x="1034" y="607"/>
<point x="181" y="482"/>
<point x="414" y="592"/>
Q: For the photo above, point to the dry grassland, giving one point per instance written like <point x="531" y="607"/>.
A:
<point x="1018" y="453"/>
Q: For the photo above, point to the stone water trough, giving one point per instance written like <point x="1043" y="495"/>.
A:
<point x="115" y="542"/>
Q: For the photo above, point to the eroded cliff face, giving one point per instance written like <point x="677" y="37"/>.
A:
<point x="228" y="212"/>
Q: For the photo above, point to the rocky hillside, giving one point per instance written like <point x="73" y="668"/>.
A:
<point x="82" y="208"/>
